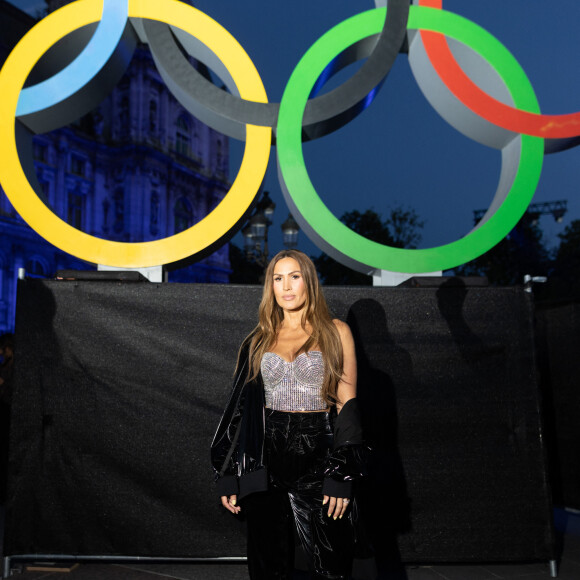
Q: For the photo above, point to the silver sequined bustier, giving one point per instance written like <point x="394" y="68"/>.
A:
<point x="296" y="385"/>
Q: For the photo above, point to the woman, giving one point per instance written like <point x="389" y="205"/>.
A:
<point x="289" y="444"/>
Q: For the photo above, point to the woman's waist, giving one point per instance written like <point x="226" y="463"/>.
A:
<point x="283" y="412"/>
<point x="301" y="420"/>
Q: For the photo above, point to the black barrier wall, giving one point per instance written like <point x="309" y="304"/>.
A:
<point x="558" y="334"/>
<point x="119" y="388"/>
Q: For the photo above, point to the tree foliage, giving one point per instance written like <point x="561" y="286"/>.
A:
<point x="521" y="252"/>
<point x="400" y="230"/>
<point x="568" y="255"/>
<point x="243" y="271"/>
<point x="565" y="276"/>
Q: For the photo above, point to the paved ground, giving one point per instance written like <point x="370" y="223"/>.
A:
<point x="568" y="567"/>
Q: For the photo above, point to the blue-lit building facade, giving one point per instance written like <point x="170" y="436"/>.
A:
<point x="137" y="168"/>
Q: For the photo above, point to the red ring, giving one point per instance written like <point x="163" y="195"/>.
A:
<point x="478" y="101"/>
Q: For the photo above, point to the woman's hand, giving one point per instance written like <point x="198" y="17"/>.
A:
<point x="230" y="503"/>
<point x="336" y="506"/>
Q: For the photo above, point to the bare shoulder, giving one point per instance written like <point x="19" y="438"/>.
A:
<point x="341" y="326"/>
<point x="343" y="329"/>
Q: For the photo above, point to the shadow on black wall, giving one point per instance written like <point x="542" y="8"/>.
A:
<point x="384" y="502"/>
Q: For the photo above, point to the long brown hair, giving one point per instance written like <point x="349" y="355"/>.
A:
<point x="315" y="313"/>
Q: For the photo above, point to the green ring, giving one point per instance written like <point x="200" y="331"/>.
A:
<point x="340" y="241"/>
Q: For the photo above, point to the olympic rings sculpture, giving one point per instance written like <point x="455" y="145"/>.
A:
<point x="467" y="75"/>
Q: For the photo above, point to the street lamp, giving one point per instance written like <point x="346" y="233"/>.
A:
<point x="267" y="206"/>
<point x="259" y="227"/>
<point x="248" y="238"/>
<point x="290" y="231"/>
<point x="256" y="232"/>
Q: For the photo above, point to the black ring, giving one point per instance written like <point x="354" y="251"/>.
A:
<point x="229" y="114"/>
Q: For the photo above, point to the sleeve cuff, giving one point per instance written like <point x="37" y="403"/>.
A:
<point x="227" y="485"/>
<point x="334" y="488"/>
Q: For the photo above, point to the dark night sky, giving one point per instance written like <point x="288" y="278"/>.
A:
<point x="399" y="151"/>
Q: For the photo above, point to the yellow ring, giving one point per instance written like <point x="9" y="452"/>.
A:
<point x="144" y="254"/>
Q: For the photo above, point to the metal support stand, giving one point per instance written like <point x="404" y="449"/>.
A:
<point x="553" y="568"/>
<point x="7" y="561"/>
<point x="153" y="274"/>
<point x="388" y="278"/>
<point x="6" y="567"/>
<point x="529" y="281"/>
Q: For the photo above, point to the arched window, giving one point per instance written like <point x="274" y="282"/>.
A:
<point x="154" y="215"/>
<point x="40" y="151"/>
<point x="45" y="188"/>
<point x="106" y="208"/>
<point x="76" y="203"/>
<point x="36" y="267"/>
<point x="119" y="207"/>
<point x="124" y="115"/>
<point x="183" y="213"/>
<point x="153" y="116"/>
<point x="2" y="262"/>
<point x="78" y="165"/>
<point x="219" y="156"/>
<point x="183" y="136"/>
<point x="196" y="143"/>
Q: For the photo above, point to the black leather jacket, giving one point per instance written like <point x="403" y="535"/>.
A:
<point x="237" y="450"/>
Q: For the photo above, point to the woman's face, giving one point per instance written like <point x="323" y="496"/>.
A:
<point x="288" y="284"/>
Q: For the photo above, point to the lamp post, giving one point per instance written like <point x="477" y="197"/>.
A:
<point x="290" y="231"/>
<point x="256" y="232"/>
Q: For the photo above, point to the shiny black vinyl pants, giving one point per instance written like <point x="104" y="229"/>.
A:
<point x="297" y="445"/>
